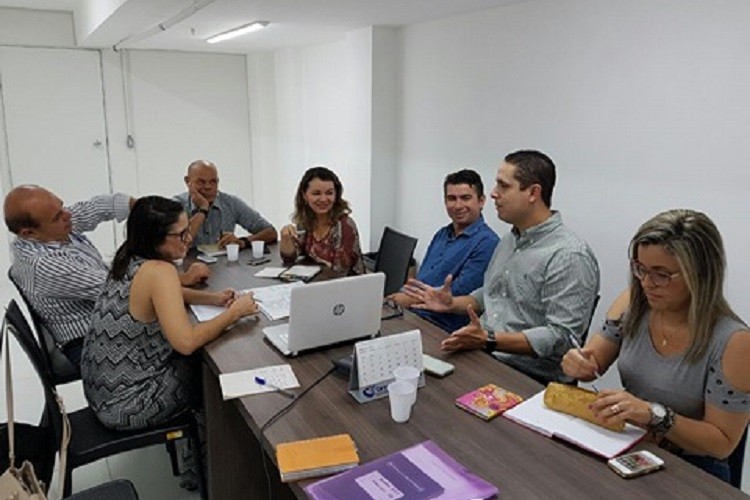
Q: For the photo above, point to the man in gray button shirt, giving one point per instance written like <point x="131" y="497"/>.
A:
<point x="214" y="214"/>
<point x="540" y="286"/>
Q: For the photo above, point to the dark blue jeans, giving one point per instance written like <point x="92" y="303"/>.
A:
<point x="714" y="466"/>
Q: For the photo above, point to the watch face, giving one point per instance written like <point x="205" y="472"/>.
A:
<point x="658" y="412"/>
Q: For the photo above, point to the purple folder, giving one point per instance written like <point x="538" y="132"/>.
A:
<point x="420" y="472"/>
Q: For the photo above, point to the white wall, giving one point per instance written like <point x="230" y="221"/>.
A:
<point x="314" y="109"/>
<point x="386" y="110"/>
<point x="642" y="104"/>
<point x="36" y="28"/>
<point x="188" y="106"/>
<point x="21" y="27"/>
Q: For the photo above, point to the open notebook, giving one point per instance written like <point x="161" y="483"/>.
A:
<point x="533" y="414"/>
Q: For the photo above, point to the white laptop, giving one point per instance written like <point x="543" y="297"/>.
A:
<point x="327" y="312"/>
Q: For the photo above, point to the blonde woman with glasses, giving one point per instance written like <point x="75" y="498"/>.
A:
<point x="682" y="352"/>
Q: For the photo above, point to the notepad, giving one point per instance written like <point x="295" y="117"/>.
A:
<point x="300" y="272"/>
<point x="533" y="414"/>
<point x="270" y="272"/>
<point x="239" y="384"/>
<point x="212" y="250"/>
<point x="316" y="457"/>
<point x="488" y="401"/>
<point x="294" y="273"/>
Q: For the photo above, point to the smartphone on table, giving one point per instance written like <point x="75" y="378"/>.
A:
<point x="436" y="367"/>
<point x="635" y="464"/>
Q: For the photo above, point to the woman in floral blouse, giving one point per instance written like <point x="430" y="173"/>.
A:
<point x="324" y="231"/>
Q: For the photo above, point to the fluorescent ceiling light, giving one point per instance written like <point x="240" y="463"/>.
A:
<point x="242" y="30"/>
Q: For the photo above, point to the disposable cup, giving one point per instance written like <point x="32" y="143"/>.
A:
<point x="410" y="375"/>
<point x="400" y="394"/>
<point x="258" y="249"/>
<point x="233" y="252"/>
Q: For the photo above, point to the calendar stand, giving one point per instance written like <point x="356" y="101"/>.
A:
<point x="374" y="360"/>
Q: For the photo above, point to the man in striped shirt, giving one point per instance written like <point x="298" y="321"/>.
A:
<point x="540" y="286"/>
<point x="58" y="269"/>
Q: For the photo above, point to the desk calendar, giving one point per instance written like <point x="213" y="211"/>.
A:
<point x="374" y="362"/>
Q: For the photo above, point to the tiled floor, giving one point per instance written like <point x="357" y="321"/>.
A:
<point x="149" y="469"/>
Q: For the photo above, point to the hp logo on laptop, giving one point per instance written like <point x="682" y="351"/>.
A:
<point x="338" y="309"/>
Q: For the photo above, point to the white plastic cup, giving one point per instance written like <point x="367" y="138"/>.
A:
<point x="233" y="252"/>
<point x="400" y="394"/>
<point x="410" y="375"/>
<point x="258" y="247"/>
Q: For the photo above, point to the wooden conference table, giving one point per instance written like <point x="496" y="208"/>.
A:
<point x="520" y="462"/>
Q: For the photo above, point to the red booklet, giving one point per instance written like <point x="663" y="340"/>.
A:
<point x="488" y="401"/>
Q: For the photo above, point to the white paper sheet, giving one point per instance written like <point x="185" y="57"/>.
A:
<point x="205" y="313"/>
<point x="238" y="384"/>
<point x="273" y="301"/>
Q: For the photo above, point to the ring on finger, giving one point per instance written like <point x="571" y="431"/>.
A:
<point x="615" y="408"/>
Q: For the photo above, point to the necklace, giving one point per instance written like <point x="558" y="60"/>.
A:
<point x="666" y="339"/>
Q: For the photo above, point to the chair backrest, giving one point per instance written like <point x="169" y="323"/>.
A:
<point x="33" y="442"/>
<point x="55" y="362"/>
<point x="591" y="318"/>
<point x="20" y="329"/>
<point x="394" y="256"/>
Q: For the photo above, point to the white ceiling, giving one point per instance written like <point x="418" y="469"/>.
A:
<point x="292" y="22"/>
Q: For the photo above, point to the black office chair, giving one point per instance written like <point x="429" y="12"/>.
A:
<point x="90" y="440"/>
<point x="393" y="258"/>
<point x="33" y="442"/>
<point x="736" y="460"/>
<point x="591" y="318"/>
<point x="120" y="489"/>
<point x="55" y="362"/>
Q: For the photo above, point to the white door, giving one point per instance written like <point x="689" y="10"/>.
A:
<point x="53" y="115"/>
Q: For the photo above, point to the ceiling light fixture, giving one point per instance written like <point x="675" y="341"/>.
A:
<point x="239" y="31"/>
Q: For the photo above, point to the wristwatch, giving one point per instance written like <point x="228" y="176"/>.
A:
<point x="199" y="210"/>
<point x="662" y="419"/>
<point x="490" y="345"/>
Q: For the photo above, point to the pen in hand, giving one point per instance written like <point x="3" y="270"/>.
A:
<point x="578" y="348"/>
<point x="261" y="381"/>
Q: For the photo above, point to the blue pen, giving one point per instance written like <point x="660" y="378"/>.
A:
<point x="578" y="348"/>
<point x="284" y="392"/>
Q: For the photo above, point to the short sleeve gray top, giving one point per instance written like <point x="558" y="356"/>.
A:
<point x="672" y="380"/>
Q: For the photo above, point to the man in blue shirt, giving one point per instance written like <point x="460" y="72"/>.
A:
<point x="462" y="249"/>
